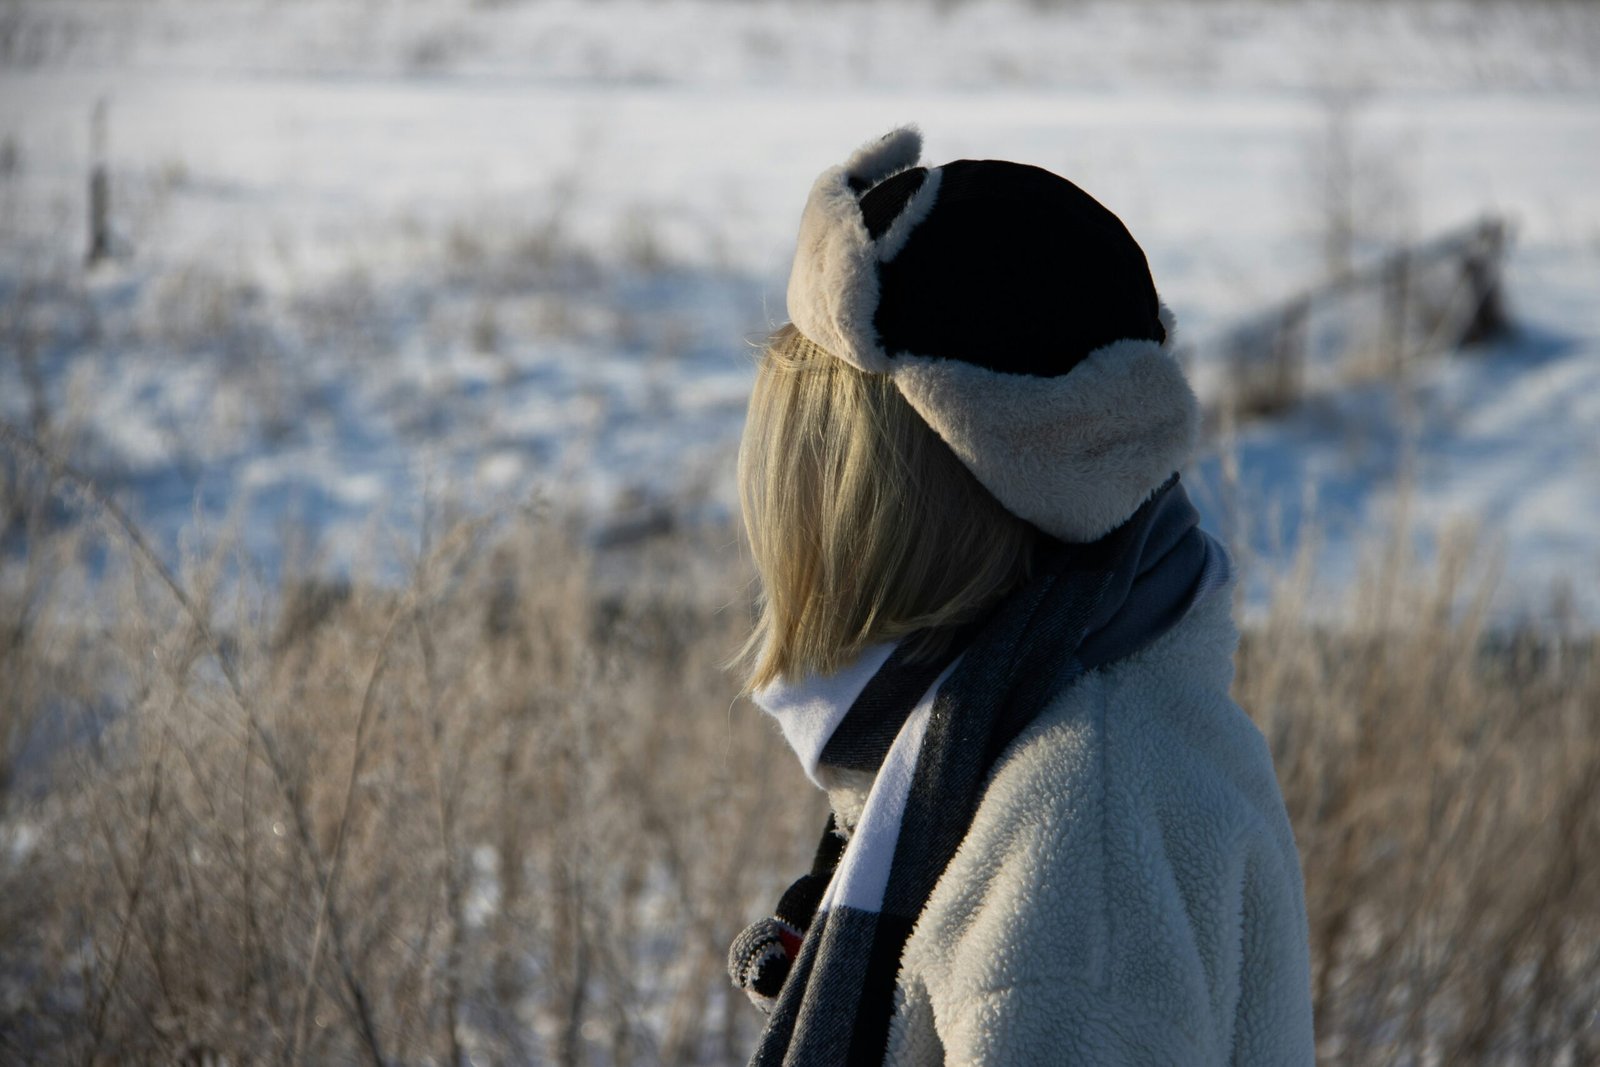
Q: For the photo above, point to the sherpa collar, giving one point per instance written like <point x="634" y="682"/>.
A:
<point x="1074" y="454"/>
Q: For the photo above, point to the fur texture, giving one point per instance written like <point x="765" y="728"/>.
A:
<point x="833" y="286"/>
<point x="1075" y="455"/>
<point x="878" y="160"/>
<point x="1129" y="891"/>
<point x="910" y="217"/>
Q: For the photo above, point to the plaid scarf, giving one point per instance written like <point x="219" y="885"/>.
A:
<point x="825" y="965"/>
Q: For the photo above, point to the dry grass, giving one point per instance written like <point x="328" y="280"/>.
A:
<point x="1444" y="784"/>
<point x="500" y="814"/>
<point x="509" y="812"/>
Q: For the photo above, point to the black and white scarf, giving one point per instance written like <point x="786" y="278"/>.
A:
<point x="825" y="965"/>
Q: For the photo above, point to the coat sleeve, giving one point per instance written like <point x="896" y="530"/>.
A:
<point x="1093" y="917"/>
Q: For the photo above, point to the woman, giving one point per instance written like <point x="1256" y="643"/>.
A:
<point x="992" y="630"/>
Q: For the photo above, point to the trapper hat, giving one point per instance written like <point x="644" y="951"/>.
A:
<point x="1015" y="313"/>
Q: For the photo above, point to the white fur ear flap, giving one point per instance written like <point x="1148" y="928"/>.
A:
<point x="1076" y="454"/>
<point x="833" y="286"/>
<point x="890" y="154"/>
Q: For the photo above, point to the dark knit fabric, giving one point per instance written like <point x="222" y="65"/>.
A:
<point x="862" y="740"/>
<point x="760" y="957"/>
<point x="881" y="206"/>
<point x="1087" y="606"/>
<point x="1015" y="269"/>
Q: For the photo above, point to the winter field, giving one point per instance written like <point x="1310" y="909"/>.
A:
<point x="366" y="546"/>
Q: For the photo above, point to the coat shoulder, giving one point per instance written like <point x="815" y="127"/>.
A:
<point x="1129" y="850"/>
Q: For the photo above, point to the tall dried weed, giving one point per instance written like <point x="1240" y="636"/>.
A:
<point x="510" y="812"/>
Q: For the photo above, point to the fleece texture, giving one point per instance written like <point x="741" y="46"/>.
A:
<point x="1075" y="453"/>
<point x="1129" y="891"/>
<point x="833" y="285"/>
<point x="934" y="741"/>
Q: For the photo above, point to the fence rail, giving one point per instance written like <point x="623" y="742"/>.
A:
<point x="1433" y="296"/>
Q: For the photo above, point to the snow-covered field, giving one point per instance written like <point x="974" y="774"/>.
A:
<point x="377" y="259"/>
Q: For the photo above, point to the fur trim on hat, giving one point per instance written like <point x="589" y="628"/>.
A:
<point x="880" y="160"/>
<point x="916" y="209"/>
<point x="833" y="288"/>
<point x="1076" y="454"/>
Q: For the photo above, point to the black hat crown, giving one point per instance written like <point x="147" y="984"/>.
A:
<point x="1015" y="269"/>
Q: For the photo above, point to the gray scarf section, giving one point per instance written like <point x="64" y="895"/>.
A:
<point x="1087" y="606"/>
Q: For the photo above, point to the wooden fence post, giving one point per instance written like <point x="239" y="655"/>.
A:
<point x="99" y="188"/>
<point x="1289" y="353"/>
<point x="1480" y="268"/>
<point x="1396" y="304"/>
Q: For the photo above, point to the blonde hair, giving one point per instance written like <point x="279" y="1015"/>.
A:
<point x="864" y="526"/>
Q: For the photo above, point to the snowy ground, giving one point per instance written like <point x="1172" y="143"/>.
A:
<point x="378" y="256"/>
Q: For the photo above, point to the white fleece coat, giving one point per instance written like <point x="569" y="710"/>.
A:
<point x="1129" y="891"/>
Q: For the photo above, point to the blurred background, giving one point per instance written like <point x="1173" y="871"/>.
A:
<point x="371" y="373"/>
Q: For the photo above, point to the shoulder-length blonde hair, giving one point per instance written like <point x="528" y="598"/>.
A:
<point x="864" y="526"/>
